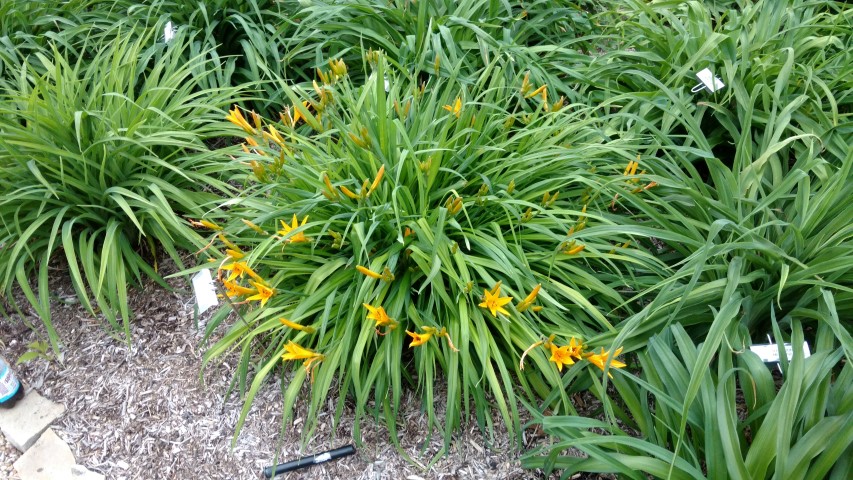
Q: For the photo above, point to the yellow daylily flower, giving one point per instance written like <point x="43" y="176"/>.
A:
<point x="296" y="326"/>
<point x="456" y="108"/>
<point x="494" y="302"/>
<point x="294" y="351"/>
<point x="349" y="193"/>
<point x="298" y="237"/>
<point x="263" y="295"/>
<point x="561" y="356"/>
<point x="237" y="118"/>
<point x="600" y="359"/>
<point x="227" y="242"/>
<point x="274" y="136"/>
<point x="239" y="269"/>
<point x="575" y="250"/>
<point x="381" y="318"/>
<point x="525" y="84"/>
<point x="339" y="68"/>
<point x="419" y="339"/>
<point x="204" y="224"/>
<point x="538" y="91"/>
<point x="235" y="254"/>
<point x="576" y="348"/>
<point x="233" y="289"/>
<point x="254" y="226"/>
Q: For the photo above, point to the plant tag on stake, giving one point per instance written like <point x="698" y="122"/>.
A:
<point x="205" y="291"/>
<point x="709" y="81"/>
<point x="169" y="32"/>
<point x="769" y="353"/>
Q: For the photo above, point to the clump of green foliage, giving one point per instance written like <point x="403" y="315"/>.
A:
<point x="99" y="158"/>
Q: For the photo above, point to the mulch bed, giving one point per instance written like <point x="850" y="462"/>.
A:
<point x="141" y="411"/>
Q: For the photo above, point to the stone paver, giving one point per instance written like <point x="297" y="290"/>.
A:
<point x="48" y="459"/>
<point x="23" y="424"/>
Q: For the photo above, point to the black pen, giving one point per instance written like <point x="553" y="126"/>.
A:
<point x="303" y="462"/>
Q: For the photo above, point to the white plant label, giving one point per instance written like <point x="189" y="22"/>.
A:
<point x="770" y="353"/>
<point x="708" y="80"/>
<point x="169" y="32"/>
<point x="205" y="291"/>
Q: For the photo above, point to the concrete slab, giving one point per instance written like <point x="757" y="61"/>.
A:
<point x="24" y="423"/>
<point x="48" y="459"/>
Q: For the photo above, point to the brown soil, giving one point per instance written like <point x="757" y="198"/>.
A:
<point x="141" y="411"/>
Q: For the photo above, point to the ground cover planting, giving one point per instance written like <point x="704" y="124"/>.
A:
<point x="521" y="202"/>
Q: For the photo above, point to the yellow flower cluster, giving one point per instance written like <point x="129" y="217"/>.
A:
<point x="574" y="351"/>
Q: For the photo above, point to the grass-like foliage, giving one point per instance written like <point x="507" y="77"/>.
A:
<point x="386" y="237"/>
<point x="754" y="178"/>
<point x="728" y="421"/>
<point x="757" y="173"/>
<point x="98" y="156"/>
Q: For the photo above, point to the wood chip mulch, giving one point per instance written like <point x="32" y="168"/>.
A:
<point x="141" y="411"/>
